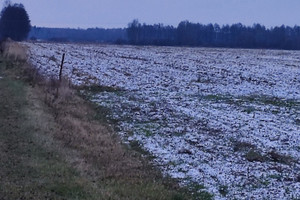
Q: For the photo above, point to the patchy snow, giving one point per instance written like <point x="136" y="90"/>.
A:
<point x="201" y="112"/>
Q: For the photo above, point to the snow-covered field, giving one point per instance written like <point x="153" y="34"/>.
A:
<point x="225" y="119"/>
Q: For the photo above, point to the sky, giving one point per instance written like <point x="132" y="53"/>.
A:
<point x="118" y="13"/>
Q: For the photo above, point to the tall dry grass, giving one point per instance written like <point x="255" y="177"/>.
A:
<point x="13" y="50"/>
<point x="98" y="142"/>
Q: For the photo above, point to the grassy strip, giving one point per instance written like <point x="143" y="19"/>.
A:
<point x="30" y="169"/>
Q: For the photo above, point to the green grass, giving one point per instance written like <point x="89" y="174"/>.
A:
<point x="198" y="191"/>
<point x="223" y="189"/>
<point x="99" y="88"/>
<point x="250" y="99"/>
<point x="218" y="98"/>
<point x="270" y="100"/>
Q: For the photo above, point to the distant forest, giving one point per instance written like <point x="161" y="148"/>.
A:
<point x="185" y="34"/>
<point x="99" y="35"/>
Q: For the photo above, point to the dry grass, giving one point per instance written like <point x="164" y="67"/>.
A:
<point x="103" y="158"/>
<point x="13" y="51"/>
<point x="104" y="155"/>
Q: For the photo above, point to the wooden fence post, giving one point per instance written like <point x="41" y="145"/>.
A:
<point x="61" y="66"/>
<point x="60" y="74"/>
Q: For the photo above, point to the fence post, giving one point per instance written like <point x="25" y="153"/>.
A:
<point x="61" y="66"/>
<point x="60" y="75"/>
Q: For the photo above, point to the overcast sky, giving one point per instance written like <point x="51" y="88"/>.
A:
<point x="118" y="13"/>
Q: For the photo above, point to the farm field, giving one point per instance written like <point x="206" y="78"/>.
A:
<point x="222" y="120"/>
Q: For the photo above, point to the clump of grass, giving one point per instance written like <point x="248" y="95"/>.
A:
<point x="223" y="189"/>
<point x="203" y="195"/>
<point x="253" y="155"/>
<point x="99" y="88"/>
<point x="57" y="92"/>
<point x="198" y="191"/>
<point x="203" y="79"/>
<point x="218" y="98"/>
<point x="298" y="179"/>
<point x="249" y="109"/>
<point x="52" y="58"/>
<point x="280" y="158"/>
<point x="102" y="113"/>
<point x="242" y="146"/>
<point x="147" y="132"/>
<point x="276" y="176"/>
<point x="136" y="146"/>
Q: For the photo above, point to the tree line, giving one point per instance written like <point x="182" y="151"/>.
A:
<point x="214" y="35"/>
<point x="99" y="35"/>
<point x="185" y="34"/>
